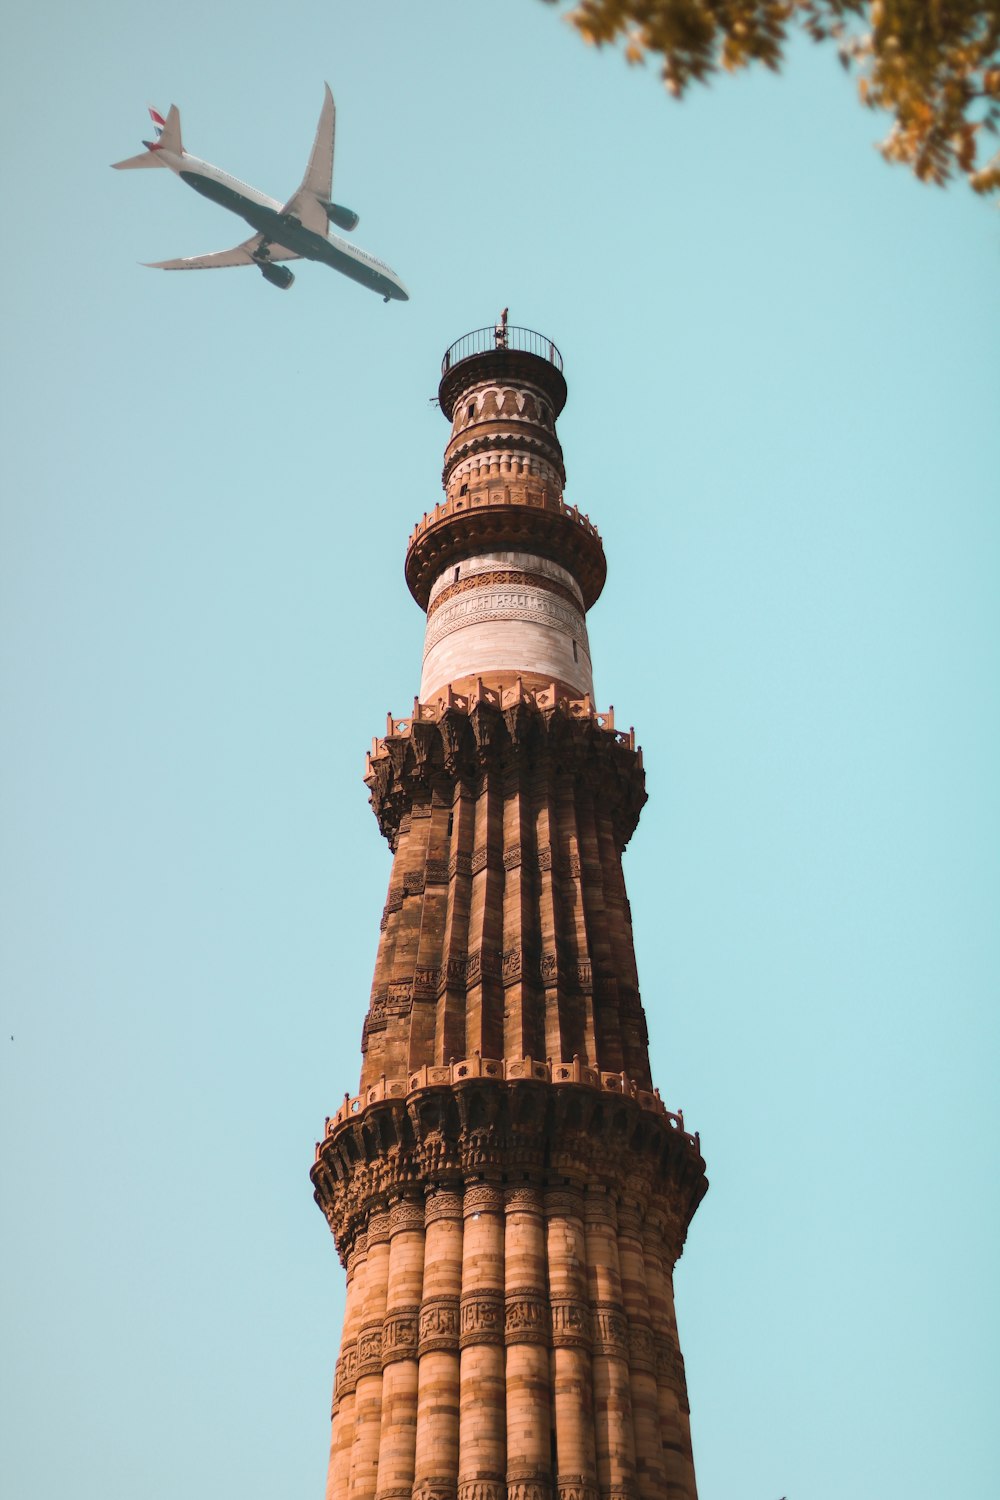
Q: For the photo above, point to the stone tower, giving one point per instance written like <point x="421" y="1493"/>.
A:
<point x="506" y="1189"/>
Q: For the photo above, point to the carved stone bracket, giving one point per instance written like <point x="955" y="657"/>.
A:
<point x="460" y="744"/>
<point x="536" y="1487"/>
<point x="482" y="1489"/>
<point x="563" y="1140"/>
<point x="573" y="1487"/>
<point x="437" y="1488"/>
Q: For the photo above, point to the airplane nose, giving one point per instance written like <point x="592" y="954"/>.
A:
<point x="401" y="294"/>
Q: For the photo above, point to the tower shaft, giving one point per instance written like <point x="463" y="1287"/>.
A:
<point x="507" y="1191"/>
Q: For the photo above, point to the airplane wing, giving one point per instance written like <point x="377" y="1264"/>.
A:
<point x="317" y="185"/>
<point x="240" y="255"/>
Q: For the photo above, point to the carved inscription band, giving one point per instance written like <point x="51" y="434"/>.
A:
<point x="570" y="1323"/>
<point x="482" y="1318"/>
<point x="439" y="1324"/>
<point x="531" y="603"/>
<point x="500" y="577"/>
<point x="526" y="1316"/>
<point x="399" y="1335"/>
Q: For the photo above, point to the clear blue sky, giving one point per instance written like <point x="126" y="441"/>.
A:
<point x="784" y="388"/>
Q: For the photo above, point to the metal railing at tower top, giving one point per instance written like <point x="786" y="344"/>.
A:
<point x="501" y="336"/>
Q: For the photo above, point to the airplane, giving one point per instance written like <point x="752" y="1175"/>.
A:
<point x="296" y="230"/>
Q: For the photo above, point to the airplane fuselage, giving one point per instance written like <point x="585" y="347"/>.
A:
<point x="264" y="215"/>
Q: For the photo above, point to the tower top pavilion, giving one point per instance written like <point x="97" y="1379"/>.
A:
<point x="507" y="1190"/>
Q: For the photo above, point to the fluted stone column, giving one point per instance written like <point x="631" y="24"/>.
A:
<point x="675" y="1431"/>
<point x="526" y="1334"/>
<point x="612" y="1394"/>
<point x="650" y="1473"/>
<point x="436" y="1476"/>
<point x="397" y="1440"/>
<point x="482" y="1460"/>
<point x="342" y="1437"/>
<point x="368" y="1395"/>
<point x="576" y="1464"/>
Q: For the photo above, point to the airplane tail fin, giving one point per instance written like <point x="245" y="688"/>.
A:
<point x="168" y="138"/>
<point x="168" y="131"/>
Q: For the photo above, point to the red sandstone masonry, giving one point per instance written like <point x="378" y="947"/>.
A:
<point x="507" y="1190"/>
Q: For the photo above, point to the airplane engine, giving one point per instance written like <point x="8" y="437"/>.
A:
<point x="276" y="275"/>
<point x="344" y="218"/>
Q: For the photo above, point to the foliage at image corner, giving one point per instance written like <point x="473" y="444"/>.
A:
<point x="934" y="65"/>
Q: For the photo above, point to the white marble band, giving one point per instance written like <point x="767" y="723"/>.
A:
<point x="506" y="612"/>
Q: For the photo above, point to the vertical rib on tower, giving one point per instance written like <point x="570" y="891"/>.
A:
<point x="507" y="1191"/>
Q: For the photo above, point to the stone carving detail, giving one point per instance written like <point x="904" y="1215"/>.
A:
<point x="436" y="872"/>
<point x="498" y="579"/>
<point x="535" y="1488"/>
<point x="478" y="861"/>
<point x="375" y="1020"/>
<point x="434" y="1489"/>
<point x="512" y="857"/>
<point x="483" y="963"/>
<point x="399" y="1335"/>
<point x="572" y="1487"/>
<point x="670" y="1369"/>
<point x="482" y="1489"/>
<point x="511" y="964"/>
<point x="526" y="1199"/>
<point x="641" y="1347"/>
<point x="370" y="1350"/>
<point x="545" y="857"/>
<point x="570" y="1323"/>
<point x="460" y="864"/>
<point x="549" y="967"/>
<point x="482" y="1318"/>
<point x="379" y="1227"/>
<point x="598" y="1207"/>
<point x="400" y="998"/>
<point x="413" y="883"/>
<point x="406" y="1214"/>
<point x="531" y="602"/>
<point x="425" y="983"/>
<point x="635" y="1150"/>
<point x="347" y="1371"/>
<point x="482" y="1198"/>
<point x="526" y="1316"/>
<point x="439" y="1324"/>
<point x="610" y="1329"/>
<point x="565" y="1203"/>
<point x="442" y="1203"/>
